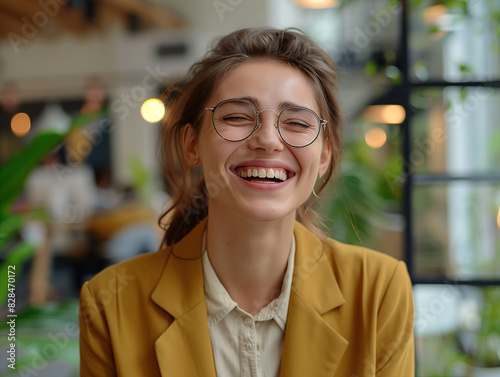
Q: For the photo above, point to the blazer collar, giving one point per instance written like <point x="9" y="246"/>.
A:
<point x="313" y="271"/>
<point x="180" y="287"/>
<point x="312" y="345"/>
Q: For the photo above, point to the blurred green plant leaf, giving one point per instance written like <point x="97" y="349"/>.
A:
<point x="9" y="227"/>
<point x="54" y="325"/>
<point x="371" y="68"/>
<point x="457" y="4"/>
<point x="16" y="257"/>
<point x="465" y="68"/>
<point x="55" y="316"/>
<point x="350" y="211"/>
<point x="416" y="3"/>
<point x="140" y="176"/>
<point x="433" y="29"/>
<point x="15" y="172"/>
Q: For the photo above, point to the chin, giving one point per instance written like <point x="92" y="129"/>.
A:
<point x="265" y="212"/>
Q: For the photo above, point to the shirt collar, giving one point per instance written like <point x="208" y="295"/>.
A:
<point x="220" y="303"/>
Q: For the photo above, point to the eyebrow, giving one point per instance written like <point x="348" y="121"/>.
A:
<point x="284" y="104"/>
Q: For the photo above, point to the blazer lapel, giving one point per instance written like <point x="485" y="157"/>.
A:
<point x="312" y="345"/>
<point x="184" y="349"/>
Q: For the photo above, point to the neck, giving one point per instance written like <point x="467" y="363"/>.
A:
<point x="249" y="257"/>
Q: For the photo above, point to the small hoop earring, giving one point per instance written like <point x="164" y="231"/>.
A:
<point x="314" y="192"/>
<point x="194" y="163"/>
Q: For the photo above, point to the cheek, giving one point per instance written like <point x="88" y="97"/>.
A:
<point x="215" y="157"/>
<point x="215" y="179"/>
<point x="310" y="161"/>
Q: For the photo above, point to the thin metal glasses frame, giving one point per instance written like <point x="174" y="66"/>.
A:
<point x="321" y="122"/>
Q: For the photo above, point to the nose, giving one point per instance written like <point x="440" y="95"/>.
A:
<point x="266" y="135"/>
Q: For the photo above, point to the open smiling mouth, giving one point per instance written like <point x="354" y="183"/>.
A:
<point x="263" y="175"/>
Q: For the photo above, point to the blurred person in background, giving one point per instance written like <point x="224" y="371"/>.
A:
<point x="66" y="197"/>
<point x="247" y="283"/>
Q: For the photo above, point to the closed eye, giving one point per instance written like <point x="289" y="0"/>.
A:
<point x="237" y="120"/>
<point x="295" y="123"/>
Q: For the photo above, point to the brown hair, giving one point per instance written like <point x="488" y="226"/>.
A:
<point x="186" y="101"/>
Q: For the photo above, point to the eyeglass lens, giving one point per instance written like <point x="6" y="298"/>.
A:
<point x="236" y="120"/>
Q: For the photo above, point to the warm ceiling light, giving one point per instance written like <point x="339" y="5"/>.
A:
<point x="153" y="110"/>
<point x="20" y="124"/>
<point x="317" y="4"/>
<point x="498" y="217"/>
<point x="375" y="137"/>
<point x="386" y="114"/>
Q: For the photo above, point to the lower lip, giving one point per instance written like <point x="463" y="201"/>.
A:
<point x="265" y="186"/>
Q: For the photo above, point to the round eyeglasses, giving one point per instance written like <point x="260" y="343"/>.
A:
<point x="237" y="119"/>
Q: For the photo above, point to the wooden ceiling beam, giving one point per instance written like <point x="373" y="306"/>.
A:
<point x="11" y="23"/>
<point x="107" y="14"/>
<point x="158" y="15"/>
<point x="72" y="20"/>
<point x="24" y="16"/>
<point x="23" y="8"/>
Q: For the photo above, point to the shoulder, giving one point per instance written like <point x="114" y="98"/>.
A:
<point x="358" y="257"/>
<point x="354" y="267"/>
<point x="367" y="269"/>
<point x="341" y="252"/>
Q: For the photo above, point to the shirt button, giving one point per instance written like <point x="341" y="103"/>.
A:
<point x="248" y="322"/>
<point x="247" y="345"/>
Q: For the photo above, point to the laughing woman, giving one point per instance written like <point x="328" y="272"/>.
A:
<point x="246" y="283"/>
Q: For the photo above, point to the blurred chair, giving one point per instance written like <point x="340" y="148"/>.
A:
<point x="131" y="240"/>
<point x="123" y="232"/>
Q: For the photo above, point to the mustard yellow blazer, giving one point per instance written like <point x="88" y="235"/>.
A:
<point x="350" y="314"/>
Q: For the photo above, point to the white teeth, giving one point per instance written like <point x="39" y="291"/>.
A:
<point x="263" y="173"/>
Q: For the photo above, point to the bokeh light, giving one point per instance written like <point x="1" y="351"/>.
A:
<point x="385" y="114"/>
<point x="20" y="124"/>
<point x="375" y="137"/>
<point x="434" y="14"/>
<point x="153" y="110"/>
<point x="317" y="4"/>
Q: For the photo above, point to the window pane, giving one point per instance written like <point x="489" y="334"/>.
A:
<point x="457" y="230"/>
<point x="455" y="131"/>
<point x="457" y="331"/>
<point x="454" y="40"/>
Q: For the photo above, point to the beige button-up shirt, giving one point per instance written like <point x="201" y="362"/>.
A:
<point x="246" y="345"/>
